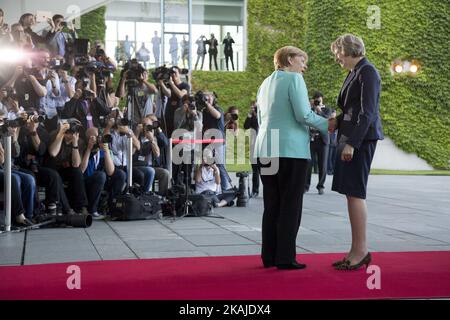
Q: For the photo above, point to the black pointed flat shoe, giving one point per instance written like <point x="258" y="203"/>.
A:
<point x="291" y="266"/>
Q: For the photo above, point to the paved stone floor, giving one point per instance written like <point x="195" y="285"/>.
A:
<point x="406" y="213"/>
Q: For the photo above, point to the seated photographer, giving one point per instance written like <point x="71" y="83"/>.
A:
<point x="25" y="182"/>
<point x="188" y="126"/>
<point x="213" y="122"/>
<point x="99" y="171"/>
<point x="231" y="119"/>
<point x="120" y="133"/>
<point x="207" y="181"/>
<point x="17" y="209"/>
<point x="135" y="78"/>
<point x="175" y="90"/>
<point x="153" y="143"/>
<point x="33" y="140"/>
<point x="64" y="157"/>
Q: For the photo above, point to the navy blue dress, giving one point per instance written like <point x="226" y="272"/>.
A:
<point x="359" y="125"/>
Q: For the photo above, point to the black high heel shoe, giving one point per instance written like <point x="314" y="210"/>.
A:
<point x="338" y="263"/>
<point x="347" y="266"/>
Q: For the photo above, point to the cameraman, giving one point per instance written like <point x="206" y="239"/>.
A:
<point x="143" y="104"/>
<point x="33" y="141"/>
<point x="213" y="119"/>
<point x="177" y="89"/>
<point x="65" y="158"/>
<point x="251" y="123"/>
<point x="189" y="119"/>
<point x="319" y="145"/>
<point x="67" y="88"/>
<point x="153" y="144"/>
<point x="99" y="171"/>
<point x="28" y="20"/>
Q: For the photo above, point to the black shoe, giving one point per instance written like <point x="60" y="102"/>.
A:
<point x="291" y="266"/>
<point x="321" y="191"/>
<point x="254" y="194"/>
<point x="268" y="264"/>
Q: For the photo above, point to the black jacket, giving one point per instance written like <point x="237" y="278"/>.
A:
<point x="74" y="109"/>
<point x="359" y="100"/>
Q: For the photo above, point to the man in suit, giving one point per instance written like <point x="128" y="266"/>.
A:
<point x="319" y="145"/>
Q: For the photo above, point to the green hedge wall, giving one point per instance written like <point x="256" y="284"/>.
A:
<point x="93" y="25"/>
<point x="415" y="110"/>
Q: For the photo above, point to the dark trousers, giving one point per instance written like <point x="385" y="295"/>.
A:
<point x="283" y="202"/>
<point x="213" y="55"/>
<point x="116" y="183"/>
<point x="54" y="188"/>
<point x="319" y="150"/>
<point x="331" y="159"/>
<point x="229" y="56"/>
<point x="76" y="190"/>
<point x="16" y="195"/>
<point x="255" y="178"/>
<point x="94" y="187"/>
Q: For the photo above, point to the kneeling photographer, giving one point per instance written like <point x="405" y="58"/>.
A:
<point x="207" y="181"/>
<point x="134" y="81"/>
<point x="99" y="171"/>
<point x="153" y="144"/>
<point x="188" y="126"/>
<point x="65" y="158"/>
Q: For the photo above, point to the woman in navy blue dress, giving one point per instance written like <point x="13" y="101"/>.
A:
<point x="360" y="128"/>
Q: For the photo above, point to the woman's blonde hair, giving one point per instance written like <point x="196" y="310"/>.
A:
<point x="350" y="45"/>
<point x="280" y="59"/>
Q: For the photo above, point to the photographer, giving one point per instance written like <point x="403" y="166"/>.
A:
<point x="207" y="181"/>
<point x="67" y="88"/>
<point x="21" y="39"/>
<point x="65" y="158"/>
<point x="319" y="145"/>
<point x="177" y="89"/>
<point x="58" y="42"/>
<point x="189" y="119"/>
<point x="153" y="143"/>
<point x="5" y="35"/>
<point x="33" y="141"/>
<point x="251" y="123"/>
<point x="28" y="20"/>
<point x="85" y="106"/>
<point x="231" y="120"/>
<point x="213" y="119"/>
<point x="135" y="77"/>
<point x="99" y="171"/>
<point x="17" y="209"/>
<point x="120" y="133"/>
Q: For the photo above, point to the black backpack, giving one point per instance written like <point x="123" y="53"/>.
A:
<point x="132" y="206"/>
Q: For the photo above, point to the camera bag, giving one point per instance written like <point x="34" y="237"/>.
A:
<point x="136" y="206"/>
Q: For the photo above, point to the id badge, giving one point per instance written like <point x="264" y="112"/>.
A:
<point x="141" y="158"/>
<point x="89" y="118"/>
<point x="27" y="97"/>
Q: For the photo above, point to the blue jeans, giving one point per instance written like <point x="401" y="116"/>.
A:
<point x="94" y="187"/>
<point x="144" y="176"/>
<point x="225" y="180"/>
<point x="27" y="186"/>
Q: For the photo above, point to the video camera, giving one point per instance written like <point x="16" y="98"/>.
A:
<point x="135" y="71"/>
<point x="57" y="64"/>
<point x="163" y="73"/>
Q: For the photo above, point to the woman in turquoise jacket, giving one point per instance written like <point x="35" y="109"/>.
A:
<point x="282" y="149"/>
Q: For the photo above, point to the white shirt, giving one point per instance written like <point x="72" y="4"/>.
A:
<point x="208" y="181"/>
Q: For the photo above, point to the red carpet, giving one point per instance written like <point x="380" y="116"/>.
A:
<point x="403" y="275"/>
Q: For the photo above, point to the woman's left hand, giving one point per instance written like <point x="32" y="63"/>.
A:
<point x="347" y="153"/>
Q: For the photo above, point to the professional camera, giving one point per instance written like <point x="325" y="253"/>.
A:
<point x="106" y="138"/>
<point x="37" y="119"/>
<point x="151" y="127"/>
<point x="162" y="73"/>
<point x="79" y="48"/>
<point x="200" y="100"/>
<point x="243" y="191"/>
<point x="74" y="125"/>
<point x="316" y="102"/>
<point x="234" y="116"/>
<point x="57" y="64"/>
<point x="135" y="71"/>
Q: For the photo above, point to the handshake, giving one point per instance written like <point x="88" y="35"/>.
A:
<point x="332" y="125"/>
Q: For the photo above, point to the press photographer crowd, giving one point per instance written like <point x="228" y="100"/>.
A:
<point x="70" y="138"/>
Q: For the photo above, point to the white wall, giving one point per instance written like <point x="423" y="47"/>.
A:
<point x="388" y="156"/>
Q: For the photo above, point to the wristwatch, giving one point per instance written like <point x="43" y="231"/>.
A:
<point x="74" y="147"/>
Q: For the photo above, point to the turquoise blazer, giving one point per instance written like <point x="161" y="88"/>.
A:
<point x="284" y="115"/>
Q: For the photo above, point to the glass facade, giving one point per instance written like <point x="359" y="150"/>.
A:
<point x="131" y="28"/>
